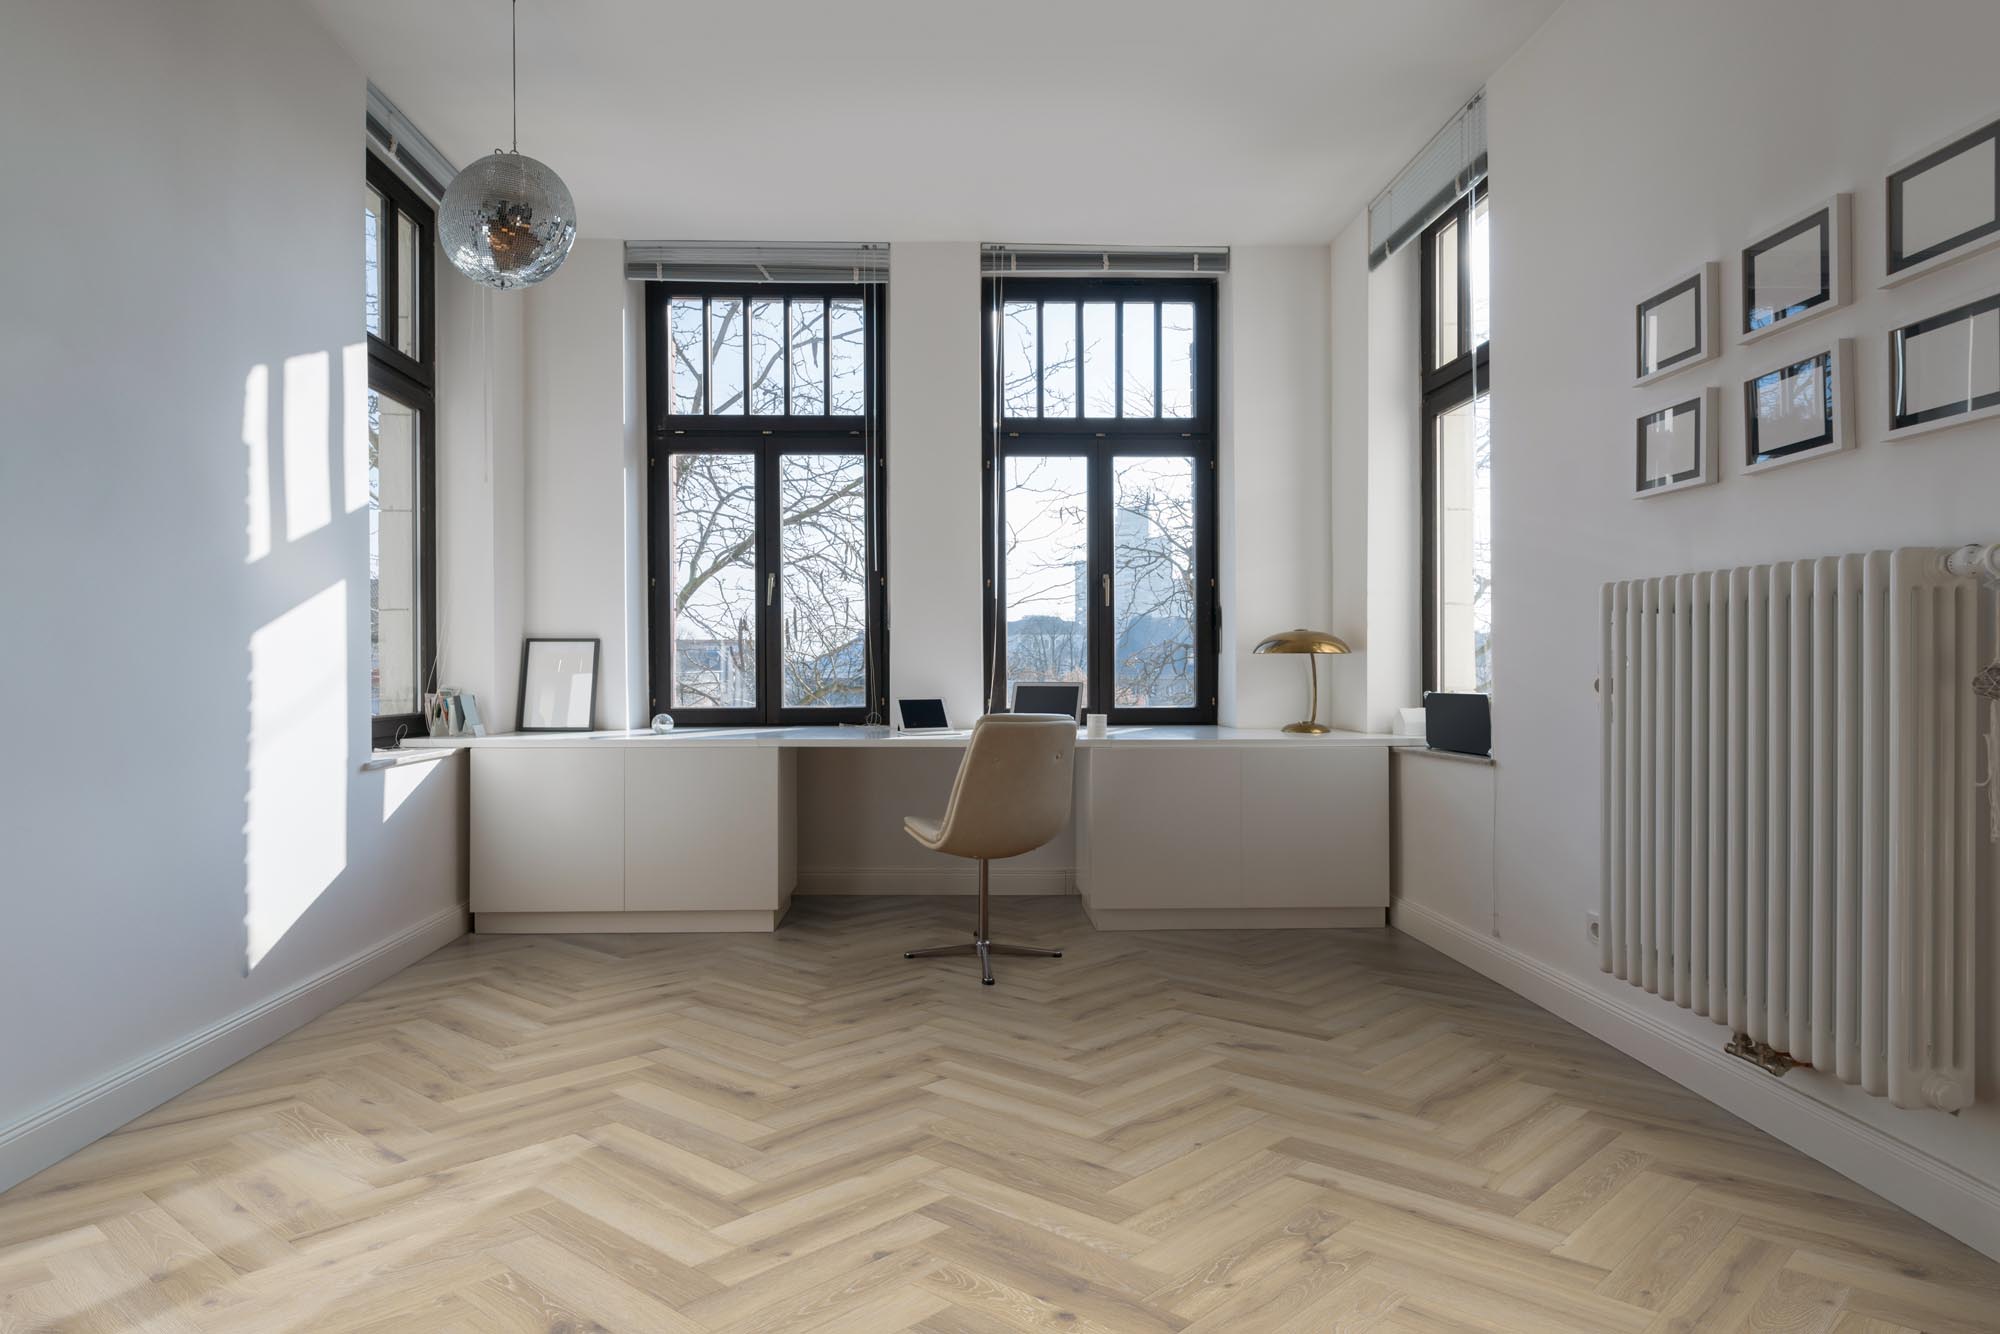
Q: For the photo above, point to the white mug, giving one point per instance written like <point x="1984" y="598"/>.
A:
<point x="1095" y="725"/>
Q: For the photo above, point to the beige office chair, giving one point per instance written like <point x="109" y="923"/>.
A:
<point x="1011" y="796"/>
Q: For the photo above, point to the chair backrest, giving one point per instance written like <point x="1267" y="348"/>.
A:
<point x="1013" y="789"/>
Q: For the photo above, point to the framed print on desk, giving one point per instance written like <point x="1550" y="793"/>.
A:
<point x="1675" y="327"/>
<point x="1798" y="411"/>
<point x="1797" y="271"/>
<point x="1943" y="204"/>
<point x="1945" y="369"/>
<point x="1675" y="446"/>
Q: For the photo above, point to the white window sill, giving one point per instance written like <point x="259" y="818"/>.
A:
<point x="1452" y="755"/>
<point x="392" y="759"/>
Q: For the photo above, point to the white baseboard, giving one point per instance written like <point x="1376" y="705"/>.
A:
<point x="923" y="880"/>
<point x="1942" y="1195"/>
<point x="57" y="1131"/>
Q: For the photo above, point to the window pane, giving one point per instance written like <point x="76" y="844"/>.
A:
<point x="808" y="358"/>
<point x="1047" y="509"/>
<point x="725" y="362"/>
<point x="1058" y="359"/>
<point x="684" y="333"/>
<point x="1464" y="593"/>
<point x="409" y="257"/>
<point x="1477" y="273"/>
<point x="392" y="555"/>
<point x="767" y="358"/>
<point x="371" y="258"/>
<point x="847" y="337"/>
<point x="1018" y="358"/>
<point x="1444" y="289"/>
<point x="1177" y="359"/>
<point x="1152" y="580"/>
<point x="1138" y="397"/>
<point x="713" y="535"/>
<point x="1100" y="359"/>
<point x="822" y="549"/>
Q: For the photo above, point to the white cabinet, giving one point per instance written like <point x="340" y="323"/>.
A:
<point x="708" y="829"/>
<point x="546" y="830"/>
<point x="1236" y="836"/>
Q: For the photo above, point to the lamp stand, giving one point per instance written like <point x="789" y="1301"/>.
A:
<point x="1312" y="726"/>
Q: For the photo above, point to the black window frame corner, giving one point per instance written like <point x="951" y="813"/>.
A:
<point x="1102" y="441"/>
<point x="410" y="380"/>
<point x="767" y="438"/>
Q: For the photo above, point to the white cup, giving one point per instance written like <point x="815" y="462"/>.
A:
<point x="1094" y="725"/>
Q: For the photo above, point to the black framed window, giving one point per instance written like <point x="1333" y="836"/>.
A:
<point x="765" y="481"/>
<point x="1100" y="499"/>
<point x="1458" y="453"/>
<point x="397" y="231"/>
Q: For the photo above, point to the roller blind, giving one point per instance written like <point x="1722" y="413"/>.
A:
<point x="756" y="262"/>
<point x="1024" y="261"/>
<point x="400" y="143"/>
<point x="1449" y="165"/>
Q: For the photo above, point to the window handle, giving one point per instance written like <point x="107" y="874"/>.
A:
<point x="1107" y="590"/>
<point x="770" y="587"/>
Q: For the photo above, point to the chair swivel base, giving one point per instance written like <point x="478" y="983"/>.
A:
<point x="985" y="949"/>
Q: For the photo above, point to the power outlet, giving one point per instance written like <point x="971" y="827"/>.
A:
<point x="1591" y="928"/>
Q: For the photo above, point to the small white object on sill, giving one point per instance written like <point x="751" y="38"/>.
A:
<point x="1407" y="722"/>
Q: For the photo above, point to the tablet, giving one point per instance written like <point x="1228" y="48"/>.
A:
<point x="923" y="715"/>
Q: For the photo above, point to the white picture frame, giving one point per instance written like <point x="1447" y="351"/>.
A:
<point x="1674" y="445"/>
<point x="1942" y="205"/>
<point x="1944" y="369"/>
<point x="1676" y="326"/>
<point x="1796" y="271"/>
<point x="1798" y="409"/>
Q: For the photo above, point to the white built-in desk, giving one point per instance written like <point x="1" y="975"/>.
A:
<point x="696" y="830"/>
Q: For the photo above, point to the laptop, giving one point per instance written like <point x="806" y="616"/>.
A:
<point x="1065" y="697"/>
<point x="923" y="715"/>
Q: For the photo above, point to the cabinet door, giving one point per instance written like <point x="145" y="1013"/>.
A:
<point x="702" y="827"/>
<point x="545" y="829"/>
<point x="1165" y="827"/>
<point x="1315" y="826"/>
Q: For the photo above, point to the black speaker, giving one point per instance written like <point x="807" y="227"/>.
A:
<point x="1462" y="723"/>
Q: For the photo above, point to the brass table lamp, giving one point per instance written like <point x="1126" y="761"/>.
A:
<point x="1314" y="642"/>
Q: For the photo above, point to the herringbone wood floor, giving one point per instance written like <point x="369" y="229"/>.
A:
<point x="1283" y="1131"/>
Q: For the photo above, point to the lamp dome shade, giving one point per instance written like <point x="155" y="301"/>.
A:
<point x="1303" y="641"/>
<point x="507" y="221"/>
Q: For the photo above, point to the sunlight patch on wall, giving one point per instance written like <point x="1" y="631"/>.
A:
<point x="354" y="424"/>
<point x="257" y="440"/>
<point x="401" y="781"/>
<point x="297" y="805"/>
<point x="308" y="480"/>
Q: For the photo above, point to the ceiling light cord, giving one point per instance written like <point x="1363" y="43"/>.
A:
<point x="514" y="66"/>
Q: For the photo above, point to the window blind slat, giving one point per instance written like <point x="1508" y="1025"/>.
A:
<point x="1448" y="166"/>
<point x="1047" y="261"/>
<point x="756" y="262"/>
<point x="416" y="159"/>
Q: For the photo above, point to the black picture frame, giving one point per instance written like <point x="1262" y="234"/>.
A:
<point x="521" y="699"/>
<point x="1829" y="222"/>
<point x="1975" y="406"/>
<point x="1902" y="262"/>
<point x="1833" y="434"/>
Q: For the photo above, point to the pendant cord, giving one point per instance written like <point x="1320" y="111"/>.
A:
<point x="514" y="65"/>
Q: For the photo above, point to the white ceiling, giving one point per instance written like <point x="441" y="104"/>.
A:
<point x="1090" y="121"/>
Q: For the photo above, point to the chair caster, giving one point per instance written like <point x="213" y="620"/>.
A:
<point x="985" y="981"/>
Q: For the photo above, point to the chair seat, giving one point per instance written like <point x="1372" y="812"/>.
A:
<point x="926" y="832"/>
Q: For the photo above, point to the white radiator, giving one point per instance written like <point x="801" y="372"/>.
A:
<point x="1790" y="843"/>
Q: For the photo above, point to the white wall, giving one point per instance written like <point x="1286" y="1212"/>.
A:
<point x="584" y="542"/>
<point x="1611" y="172"/>
<point x="1272" y="528"/>
<point x="193" y="859"/>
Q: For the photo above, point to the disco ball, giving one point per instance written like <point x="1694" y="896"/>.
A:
<point x="507" y="221"/>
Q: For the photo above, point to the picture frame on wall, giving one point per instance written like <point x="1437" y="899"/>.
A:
<point x="1674" y="446"/>
<point x="1675" y="327"/>
<point x="1798" y="410"/>
<point x="1944" y="370"/>
<point x="558" y="685"/>
<point x="1942" y="205"/>
<point x="1796" y="271"/>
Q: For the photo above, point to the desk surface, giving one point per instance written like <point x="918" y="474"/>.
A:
<point x="858" y="738"/>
